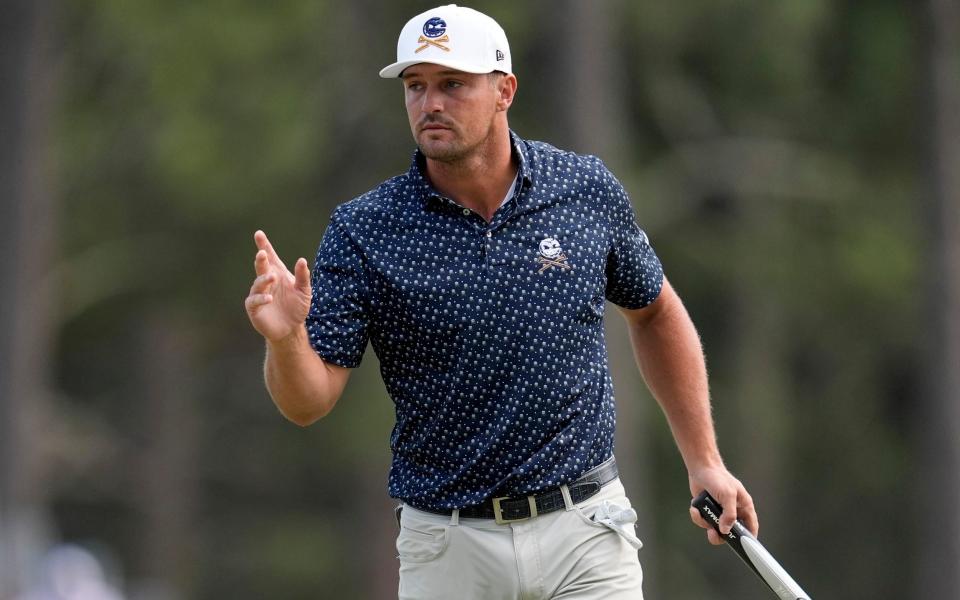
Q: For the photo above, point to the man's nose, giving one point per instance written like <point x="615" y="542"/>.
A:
<point x="432" y="100"/>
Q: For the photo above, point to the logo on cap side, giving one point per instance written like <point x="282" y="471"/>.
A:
<point x="500" y="56"/>
<point x="433" y="29"/>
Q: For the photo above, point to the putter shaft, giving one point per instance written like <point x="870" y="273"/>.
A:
<point x="750" y="551"/>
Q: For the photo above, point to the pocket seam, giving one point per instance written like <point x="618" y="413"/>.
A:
<point x="443" y="539"/>
<point x="423" y="534"/>
<point x="588" y="520"/>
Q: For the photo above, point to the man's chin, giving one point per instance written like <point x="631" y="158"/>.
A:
<point x="440" y="150"/>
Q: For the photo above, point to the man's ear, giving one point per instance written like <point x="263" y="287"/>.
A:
<point x="507" y="87"/>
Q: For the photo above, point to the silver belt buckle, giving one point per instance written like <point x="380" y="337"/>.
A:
<point x="498" y="512"/>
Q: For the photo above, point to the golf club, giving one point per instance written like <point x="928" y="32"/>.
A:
<point x="750" y="550"/>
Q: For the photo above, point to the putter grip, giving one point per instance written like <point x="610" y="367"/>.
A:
<point x="750" y="550"/>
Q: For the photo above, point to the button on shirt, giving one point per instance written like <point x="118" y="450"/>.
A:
<point x="489" y="335"/>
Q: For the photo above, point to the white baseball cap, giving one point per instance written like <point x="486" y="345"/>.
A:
<point x="453" y="36"/>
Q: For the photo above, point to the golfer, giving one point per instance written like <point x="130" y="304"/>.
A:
<point x="480" y="277"/>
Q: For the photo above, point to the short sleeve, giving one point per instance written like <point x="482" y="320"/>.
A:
<point x="337" y="323"/>
<point x="634" y="273"/>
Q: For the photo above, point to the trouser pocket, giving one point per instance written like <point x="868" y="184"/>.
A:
<point x="619" y="518"/>
<point x="616" y="515"/>
<point x="420" y="540"/>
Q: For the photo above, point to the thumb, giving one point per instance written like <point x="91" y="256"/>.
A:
<point x="302" y="274"/>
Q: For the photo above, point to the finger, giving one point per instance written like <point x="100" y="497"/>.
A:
<point x="748" y="513"/>
<point x="262" y="283"/>
<point x="714" y="538"/>
<point x="302" y="274"/>
<point x="254" y="301"/>
<point x="260" y="238"/>
<point x="698" y="519"/>
<point x="261" y="263"/>
<point x="728" y="500"/>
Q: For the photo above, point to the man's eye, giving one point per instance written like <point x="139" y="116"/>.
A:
<point x="454" y="84"/>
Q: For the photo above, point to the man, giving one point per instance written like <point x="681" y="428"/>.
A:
<point x="480" y="277"/>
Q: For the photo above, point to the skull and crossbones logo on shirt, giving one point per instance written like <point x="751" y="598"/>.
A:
<point x="551" y="255"/>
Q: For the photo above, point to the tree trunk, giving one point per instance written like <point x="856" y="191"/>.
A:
<point x="756" y="452"/>
<point x="26" y="244"/>
<point x="760" y="394"/>
<point x="166" y="470"/>
<point x="938" y="471"/>
<point x="589" y="78"/>
<point x="586" y="74"/>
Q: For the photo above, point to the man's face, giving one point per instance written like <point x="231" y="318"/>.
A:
<point x="450" y="112"/>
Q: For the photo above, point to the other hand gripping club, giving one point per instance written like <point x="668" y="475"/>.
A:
<point x="750" y="550"/>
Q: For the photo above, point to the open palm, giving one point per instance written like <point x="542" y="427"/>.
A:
<point x="279" y="300"/>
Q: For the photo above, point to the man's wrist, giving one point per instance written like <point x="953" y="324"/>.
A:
<point x="705" y="463"/>
<point x="294" y="342"/>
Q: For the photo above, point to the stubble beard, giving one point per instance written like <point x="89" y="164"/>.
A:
<point x="453" y="150"/>
<point x="446" y="151"/>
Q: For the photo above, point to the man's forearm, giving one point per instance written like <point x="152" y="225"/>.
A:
<point x="670" y="358"/>
<point x="302" y="385"/>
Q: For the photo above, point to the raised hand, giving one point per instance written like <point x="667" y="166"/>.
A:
<point x="279" y="300"/>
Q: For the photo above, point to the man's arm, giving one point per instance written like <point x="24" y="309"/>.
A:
<point x="668" y="352"/>
<point x="303" y="386"/>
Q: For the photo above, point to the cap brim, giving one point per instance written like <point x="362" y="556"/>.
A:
<point x="396" y="69"/>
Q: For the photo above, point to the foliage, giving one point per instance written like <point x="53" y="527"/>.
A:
<point x="770" y="157"/>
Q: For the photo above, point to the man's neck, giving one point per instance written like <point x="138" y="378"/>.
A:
<point x="480" y="181"/>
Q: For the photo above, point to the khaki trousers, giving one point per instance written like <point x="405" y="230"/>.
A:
<point x="579" y="553"/>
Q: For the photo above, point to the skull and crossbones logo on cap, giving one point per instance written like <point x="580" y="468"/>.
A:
<point x="433" y="35"/>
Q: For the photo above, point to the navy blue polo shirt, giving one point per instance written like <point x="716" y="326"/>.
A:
<point x="489" y="335"/>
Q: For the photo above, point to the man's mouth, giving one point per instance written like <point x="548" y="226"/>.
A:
<point x="433" y="125"/>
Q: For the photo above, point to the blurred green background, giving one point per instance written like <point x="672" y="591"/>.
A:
<point x="795" y="164"/>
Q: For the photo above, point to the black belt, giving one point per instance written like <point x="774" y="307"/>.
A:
<point x="505" y="509"/>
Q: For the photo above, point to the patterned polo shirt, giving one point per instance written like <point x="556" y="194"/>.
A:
<point x="489" y="334"/>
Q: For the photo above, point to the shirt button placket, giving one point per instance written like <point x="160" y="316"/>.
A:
<point x="487" y="235"/>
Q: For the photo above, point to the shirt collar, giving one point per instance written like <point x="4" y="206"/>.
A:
<point x="429" y="194"/>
